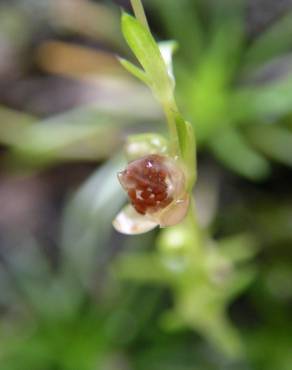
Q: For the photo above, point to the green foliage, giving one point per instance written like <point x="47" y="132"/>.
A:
<point x="212" y="77"/>
<point x="212" y="297"/>
<point x="245" y="160"/>
<point x="147" y="52"/>
<point x="65" y="137"/>
<point x="188" y="263"/>
<point x="202" y="277"/>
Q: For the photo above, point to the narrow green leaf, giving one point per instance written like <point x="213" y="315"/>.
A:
<point x="42" y="144"/>
<point x="238" y="248"/>
<point x="87" y="220"/>
<point x="241" y="280"/>
<point x="224" y="11"/>
<point x="148" y="54"/>
<point x="268" y="101"/>
<point x="142" y="267"/>
<point x="182" y="23"/>
<point x="277" y="142"/>
<point x="13" y="123"/>
<point x="231" y="148"/>
<point x="134" y="70"/>
<point x="275" y="41"/>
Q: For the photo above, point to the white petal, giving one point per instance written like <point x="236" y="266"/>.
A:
<point x="167" y="48"/>
<point x="175" y="212"/>
<point x="130" y="222"/>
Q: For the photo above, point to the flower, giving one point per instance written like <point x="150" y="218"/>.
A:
<point x="156" y="187"/>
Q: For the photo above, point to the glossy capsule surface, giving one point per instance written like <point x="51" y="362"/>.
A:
<point x="148" y="183"/>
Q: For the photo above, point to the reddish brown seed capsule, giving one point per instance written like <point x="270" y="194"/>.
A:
<point x="151" y="182"/>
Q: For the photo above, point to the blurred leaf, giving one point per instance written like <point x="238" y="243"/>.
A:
<point x="83" y="134"/>
<point x="72" y="60"/>
<point x="9" y="291"/>
<point x="95" y="20"/>
<point x="238" y="248"/>
<point x="232" y="149"/>
<point x="205" y="91"/>
<point x="263" y="351"/>
<point x="273" y="220"/>
<point x="227" y="31"/>
<point x="240" y="282"/>
<point x="189" y="34"/>
<point x="272" y="140"/>
<point x="88" y="221"/>
<point x="12" y="123"/>
<point x="35" y="285"/>
<point x="267" y="101"/>
<point x="275" y="41"/>
<point x="224" y="11"/>
<point x="273" y="71"/>
<point x="142" y="268"/>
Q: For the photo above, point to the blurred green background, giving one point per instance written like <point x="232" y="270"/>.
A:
<point x="74" y="294"/>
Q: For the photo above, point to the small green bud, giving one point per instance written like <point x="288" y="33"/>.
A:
<point x="138" y="146"/>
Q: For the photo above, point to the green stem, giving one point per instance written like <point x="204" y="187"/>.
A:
<point x="173" y="136"/>
<point x="194" y="225"/>
<point x="140" y="13"/>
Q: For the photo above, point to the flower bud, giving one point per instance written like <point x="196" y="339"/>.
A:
<point x="156" y="188"/>
<point x="152" y="183"/>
